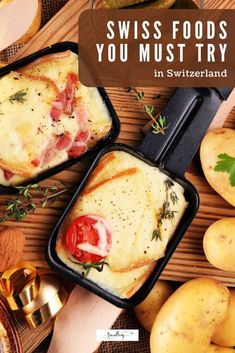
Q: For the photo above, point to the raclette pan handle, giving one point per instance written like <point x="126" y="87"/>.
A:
<point x="189" y="114"/>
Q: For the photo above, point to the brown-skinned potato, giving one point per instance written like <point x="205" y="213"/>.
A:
<point x="219" y="244"/>
<point x="188" y="319"/>
<point x="218" y="142"/>
<point x="148" y="309"/>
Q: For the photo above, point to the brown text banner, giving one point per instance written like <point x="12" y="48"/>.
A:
<point x="173" y="48"/>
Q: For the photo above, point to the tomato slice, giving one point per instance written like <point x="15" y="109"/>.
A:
<point x="88" y="238"/>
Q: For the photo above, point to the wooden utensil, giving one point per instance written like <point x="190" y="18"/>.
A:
<point x="76" y="324"/>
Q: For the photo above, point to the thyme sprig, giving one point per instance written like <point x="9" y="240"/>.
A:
<point x="156" y="235"/>
<point x="18" y="97"/>
<point x="165" y="211"/>
<point x="99" y="266"/>
<point x="25" y="202"/>
<point x="159" y="124"/>
<point x="174" y="197"/>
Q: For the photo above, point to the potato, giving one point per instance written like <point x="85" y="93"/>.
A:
<point x="225" y="332"/>
<point x="218" y="142"/>
<point x="219" y="244"/>
<point x="148" y="309"/>
<point x="217" y="349"/>
<point x="187" y="320"/>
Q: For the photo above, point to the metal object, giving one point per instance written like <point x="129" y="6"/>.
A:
<point x="110" y="137"/>
<point x="38" y="294"/>
<point x="189" y="114"/>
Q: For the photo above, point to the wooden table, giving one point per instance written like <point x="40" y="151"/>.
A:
<point x="188" y="260"/>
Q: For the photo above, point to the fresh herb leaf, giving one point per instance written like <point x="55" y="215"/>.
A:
<point x="159" y="121"/>
<point x="160" y="125"/>
<point x="226" y="164"/>
<point x="26" y="202"/>
<point x="165" y="211"/>
<point x="18" y="97"/>
<point x="139" y="96"/>
<point x="174" y="197"/>
<point x="99" y="266"/>
<point x="168" y="184"/>
<point x="149" y="109"/>
<point x="156" y="235"/>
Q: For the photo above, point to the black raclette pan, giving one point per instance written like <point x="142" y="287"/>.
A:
<point x="110" y="137"/>
<point x="189" y="114"/>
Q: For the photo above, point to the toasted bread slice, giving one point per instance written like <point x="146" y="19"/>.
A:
<point x="25" y="122"/>
<point x="129" y="194"/>
<point x="131" y="233"/>
<point x="54" y="66"/>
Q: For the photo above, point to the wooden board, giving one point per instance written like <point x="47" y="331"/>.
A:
<point x="188" y="260"/>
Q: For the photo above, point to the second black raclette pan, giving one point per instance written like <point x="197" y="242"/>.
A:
<point x="189" y="114"/>
<point x="110" y="137"/>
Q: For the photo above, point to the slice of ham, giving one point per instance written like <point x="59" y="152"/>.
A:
<point x="78" y="149"/>
<point x="48" y="154"/>
<point x="82" y="117"/>
<point x="83" y="135"/>
<point x="64" y="141"/>
<point x="79" y="146"/>
<point x="56" y="110"/>
<point x="66" y="100"/>
<point x="7" y="174"/>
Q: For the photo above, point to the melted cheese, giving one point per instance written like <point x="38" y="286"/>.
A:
<point x="99" y="125"/>
<point x="123" y="285"/>
<point x="129" y="195"/>
<point x="28" y="126"/>
<point x="20" y="121"/>
<point x="56" y="67"/>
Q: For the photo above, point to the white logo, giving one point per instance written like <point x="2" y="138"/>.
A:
<point x="117" y="335"/>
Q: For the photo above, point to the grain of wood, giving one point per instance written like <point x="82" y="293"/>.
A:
<point x="188" y="260"/>
<point x="38" y="226"/>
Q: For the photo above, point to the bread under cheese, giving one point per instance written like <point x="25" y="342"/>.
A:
<point x="123" y="285"/>
<point x="31" y="132"/>
<point x="56" y="67"/>
<point x="129" y="194"/>
<point x="21" y="123"/>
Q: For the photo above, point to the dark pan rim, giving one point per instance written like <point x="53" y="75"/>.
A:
<point x="107" y="140"/>
<point x="192" y="198"/>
